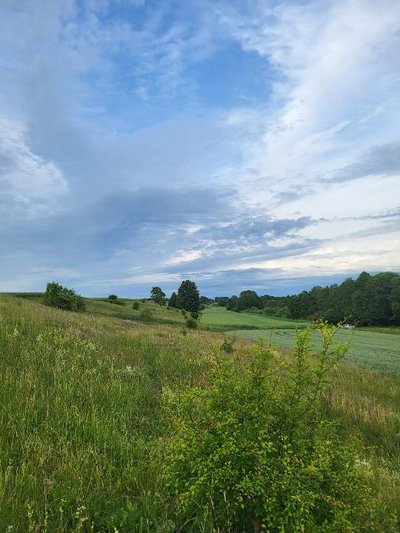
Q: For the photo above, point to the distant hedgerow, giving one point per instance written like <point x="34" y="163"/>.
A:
<point x="58" y="296"/>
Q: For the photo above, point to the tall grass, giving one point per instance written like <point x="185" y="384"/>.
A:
<point x="80" y="419"/>
<point x="79" y="407"/>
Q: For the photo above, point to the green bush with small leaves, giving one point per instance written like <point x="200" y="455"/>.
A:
<point x="256" y="452"/>
<point x="191" y="319"/>
<point x="62" y="298"/>
<point x="146" y="314"/>
<point x="227" y="345"/>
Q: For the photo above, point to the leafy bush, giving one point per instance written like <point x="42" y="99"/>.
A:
<point x="58" y="296"/>
<point x="256" y="452"/>
<point x="135" y="306"/>
<point x="146" y="314"/>
<point x="191" y="319"/>
<point x="227" y="345"/>
<point x="113" y="299"/>
<point x="191" y="322"/>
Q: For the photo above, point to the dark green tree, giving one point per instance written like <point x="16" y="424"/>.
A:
<point x="231" y="304"/>
<point x="222" y="301"/>
<point x="173" y="300"/>
<point x="188" y="296"/>
<point x="158" y="296"/>
<point x="247" y="300"/>
<point x="394" y="300"/>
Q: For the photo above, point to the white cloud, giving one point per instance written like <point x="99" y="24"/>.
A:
<point x="184" y="257"/>
<point x="336" y="67"/>
<point x="336" y="97"/>
<point x="25" y="178"/>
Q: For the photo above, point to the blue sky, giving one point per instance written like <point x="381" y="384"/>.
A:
<point x="242" y="144"/>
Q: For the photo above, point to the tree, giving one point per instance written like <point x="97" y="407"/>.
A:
<point x="247" y="300"/>
<point x="222" y="301"/>
<point x="158" y="296"/>
<point x="231" y="304"/>
<point x="188" y="296"/>
<point x="113" y="297"/>
<point x="173" y="300"/>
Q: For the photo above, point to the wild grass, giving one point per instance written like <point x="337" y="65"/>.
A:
<point x="79" y="408"/>
<point x="81" y="418"/>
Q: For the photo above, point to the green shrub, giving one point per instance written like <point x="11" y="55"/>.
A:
<point x="135" y="306"/>
<point x="146" y="314"/>
<point x="191" y="319"/>
<point x="255" y="451"/>
<point x="227" y="345"/>
<point x="58" y="296"/>
<point x="191" y="323"/>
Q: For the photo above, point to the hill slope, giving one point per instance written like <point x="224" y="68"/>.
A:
<point x="81" y="418"/>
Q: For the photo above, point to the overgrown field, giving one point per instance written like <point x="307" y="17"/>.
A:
<point x="82" y="419"/>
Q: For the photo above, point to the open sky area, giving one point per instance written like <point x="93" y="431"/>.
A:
<point x="244" y="144"/>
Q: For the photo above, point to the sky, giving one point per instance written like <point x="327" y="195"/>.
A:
<point x="243" y="144"/>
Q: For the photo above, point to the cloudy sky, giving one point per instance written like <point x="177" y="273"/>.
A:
<point x="239" y="143"/>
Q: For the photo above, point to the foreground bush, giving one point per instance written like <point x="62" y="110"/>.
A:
<point x="58" y="296"/>
<point x="255" y="451"/>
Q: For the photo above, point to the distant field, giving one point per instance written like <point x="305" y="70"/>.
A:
<point x="220" y="318"/>
<point x="370" y="349"/>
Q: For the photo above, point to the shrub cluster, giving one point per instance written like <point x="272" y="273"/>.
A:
<point x="58" y="296"/>
<point x="113" y="299"/>
<point x="256" y="452"/>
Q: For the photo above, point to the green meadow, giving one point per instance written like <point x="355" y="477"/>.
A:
<point x="220" y="319"/>
<point x="375" y="350"/>
<point x="82" y="413"/>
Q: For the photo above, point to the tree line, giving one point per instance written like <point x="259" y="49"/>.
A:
<point x="369" y="300"/>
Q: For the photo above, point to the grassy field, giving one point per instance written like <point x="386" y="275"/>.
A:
<point x="219" y="318"/>
<point x="81" y="417"/>
<point x="370" y="349"/>
<point x="148" y="311"/>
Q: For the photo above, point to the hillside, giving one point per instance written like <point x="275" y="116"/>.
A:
<point x="81" y="406"/>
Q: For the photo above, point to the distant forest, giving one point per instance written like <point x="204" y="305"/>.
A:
<point x="370" y="300"/>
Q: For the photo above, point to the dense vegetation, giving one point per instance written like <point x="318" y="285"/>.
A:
<point x="63" y="298"/>
<point x="93" y="420"/>
<point x="187" y="298"/>
<point x="367" y="301"/>
<point x="256" y="450"/>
